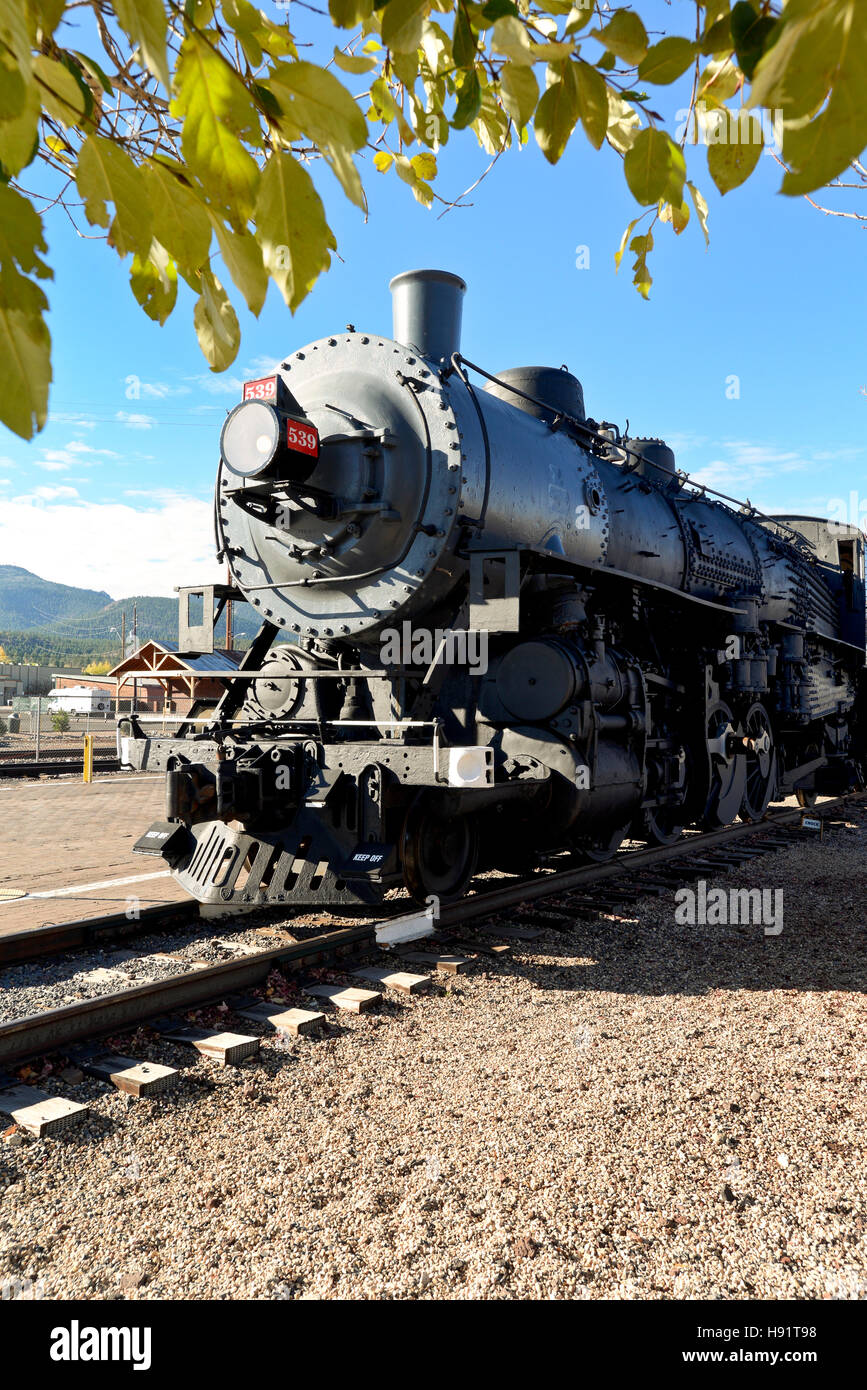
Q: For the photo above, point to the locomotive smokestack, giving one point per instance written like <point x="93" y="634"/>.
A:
<point x="426" y="306"/>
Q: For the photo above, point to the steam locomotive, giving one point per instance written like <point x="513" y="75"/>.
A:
<point x="494" y="632"/>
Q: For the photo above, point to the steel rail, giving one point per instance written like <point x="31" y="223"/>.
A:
<point x="52" y="768"/>
<point x="23" y="1038"/>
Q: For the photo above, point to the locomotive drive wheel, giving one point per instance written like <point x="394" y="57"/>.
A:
<point x="726" y="768"/>
<point x="439" y="855"/>
<point x="661" y="825"/>
<point x="604" y="847"/>
<point x="761" y="774"/>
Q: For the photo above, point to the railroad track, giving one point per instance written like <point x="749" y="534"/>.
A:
<point x="616" y="885"/>
<point x="53" y="767"/>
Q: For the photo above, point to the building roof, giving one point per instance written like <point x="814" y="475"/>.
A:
<point x="153" y="656"/>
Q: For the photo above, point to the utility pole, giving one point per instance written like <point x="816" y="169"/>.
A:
<point x="123" y="635"/>
<point x="135" y="648"/>
<point x="228" y="613"/>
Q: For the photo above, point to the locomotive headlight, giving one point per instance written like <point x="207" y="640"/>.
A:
<point x="269" y="432"/>
<point x="251" y="438"/>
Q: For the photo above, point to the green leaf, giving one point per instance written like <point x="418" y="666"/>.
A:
<point x="624" y="35"/>
<point x="216" y="324"/>
<point x="718" y="38"/>
<point x="618" y="254"/>
<point x="144" y="22"/>
<point x="19" y="137"/>
<point x="464" y="42"/>
<point x="154" y="282"/>
<point x="592" y="103"/>
<point x="342" y="166"/>
<point x="106" y="174"/>
<point x="317" y="103"/>
<point x="348" y="62"/>
<point x="180" y="220"/>
<point x="510" y="37"/>
<point x="750" y="35"/>
<point x="94" y="71"/>
<point x="242" y="257"/>
<point x="291" y="228"/>
<point x="21" y="237"/>
<point x="402" y="24"/>
<point x="469" y="99"/>
<point x="820" y="151"/>
<point x="217" y="112"/>
<point x="719" y="81"/>
<point x="556" y="115"/>
<point x="701" y="210"/>
<point x="666" y="61"/>
<point x="578" y="18"/>
<point x="348" y="14"/>
<point x="496" y="9"/>
<point x="16" y="59"/>
<point x="654" y="168"/>
<point x="25" y="373"/>
<point x="818" y="45"/>
<point x="519" y="91"/>
<point x="623" y="122"/>
<point x="60" y="94"/>
<point x="731" y="160"/>
<point x="675" y="213"/>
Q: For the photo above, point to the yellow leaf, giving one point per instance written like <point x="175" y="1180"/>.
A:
<point x="291" y="228"/>
<point x="217" y="112"/>
<point x="402" y="24"/>
<point x="25" y="371"/>
<point x="58" y="91"/>
<point x="216" y="324"/>
<point x="144" y="21"/>
<point x="106" y="174"/>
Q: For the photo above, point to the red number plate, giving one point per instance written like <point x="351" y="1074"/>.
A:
<point x="265" y="389"/>
<point x="304" y="439"/>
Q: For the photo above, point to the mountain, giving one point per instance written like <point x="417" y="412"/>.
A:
<point x="27" y="601"/>
<point x="57" y="624"/>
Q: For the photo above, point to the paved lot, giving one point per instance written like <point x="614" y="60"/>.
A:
<point x="68" y="835"/>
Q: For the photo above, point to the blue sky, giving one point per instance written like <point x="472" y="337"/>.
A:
<point x="115" y="492"/>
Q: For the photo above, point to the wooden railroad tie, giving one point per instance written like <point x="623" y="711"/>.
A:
<point x="125" y="1073"/>
<point x="348" y="998"/>
<point x="228" y="1049"/>
<point x="296" y="1022"/>
<point x="39" y="1113"/>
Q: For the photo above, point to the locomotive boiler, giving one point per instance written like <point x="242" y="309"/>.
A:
<point x="495" y="633"/>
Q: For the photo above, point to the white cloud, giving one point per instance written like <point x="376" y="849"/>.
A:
<point x="49" y="494"/>
<point x="156" y="390"/>
<point x="77" y="446"/>
<point x="218" y="385"/>
<point x="51" y="465"/>
<point x="112" y="545"/>
<point x="135" y="421"/>
<point x="71" y="417"/>
<point x="741" y="465"/>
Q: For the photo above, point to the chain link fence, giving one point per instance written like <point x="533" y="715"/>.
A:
<point x="34" y="730"/>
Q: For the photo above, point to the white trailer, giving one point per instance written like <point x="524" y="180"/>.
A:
<point x="79" y="699"/>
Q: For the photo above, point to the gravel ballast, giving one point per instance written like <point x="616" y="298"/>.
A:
<point x="637" y="1109"/>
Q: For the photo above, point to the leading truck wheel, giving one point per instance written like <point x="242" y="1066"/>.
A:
<point x="439" y="856"/>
